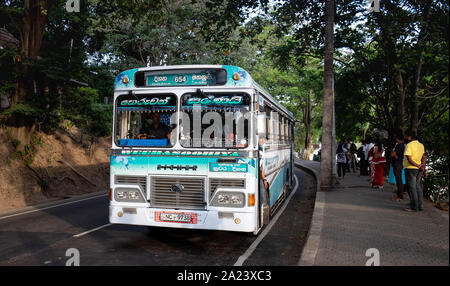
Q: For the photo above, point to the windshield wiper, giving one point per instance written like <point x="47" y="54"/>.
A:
<point x="200" y="93"/>
<point x="132" y="93"/>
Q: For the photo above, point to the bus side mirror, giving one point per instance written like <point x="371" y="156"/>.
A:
<point x="261" y="125"/>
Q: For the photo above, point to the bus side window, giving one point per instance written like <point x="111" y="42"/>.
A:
<point x="268" y="127"/>
<point x="286" y="132"/>
<point x="290" y="132"/>
<point x="274" y="126"/>
<point x="291" y="129"/>
<point x="281" y="130"/>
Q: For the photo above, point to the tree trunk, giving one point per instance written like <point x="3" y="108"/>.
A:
<point x="34" y="21"/>
<point x="326" y="168"/>
<point x="415" y="122"/>
<point x="399" y="121"/>
<point x="307" y="121"/>
<point x="30" y="41"/>
<point x="414" y="99"/>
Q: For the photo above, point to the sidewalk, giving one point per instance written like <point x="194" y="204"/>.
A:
<point x="353" y="218"/>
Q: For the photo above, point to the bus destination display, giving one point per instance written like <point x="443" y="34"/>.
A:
<point x="176" y="79"/>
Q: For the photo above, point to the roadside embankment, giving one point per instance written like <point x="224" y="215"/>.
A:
<point x="53" y="166"/>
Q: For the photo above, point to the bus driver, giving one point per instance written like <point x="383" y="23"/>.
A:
<point x="155" y="130"/>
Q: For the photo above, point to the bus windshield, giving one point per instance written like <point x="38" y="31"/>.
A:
<point x="215" y="120"/>
<point x="144" y="120"/>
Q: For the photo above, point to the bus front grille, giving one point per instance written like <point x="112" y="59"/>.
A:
<point x="192" y="195"/>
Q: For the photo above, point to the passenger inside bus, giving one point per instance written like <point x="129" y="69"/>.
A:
<point x="154" y="130"/>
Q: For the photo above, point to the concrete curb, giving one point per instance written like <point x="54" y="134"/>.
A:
<point x="308" y="255"/>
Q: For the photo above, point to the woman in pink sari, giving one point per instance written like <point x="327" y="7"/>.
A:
<point x="378" y="162"/>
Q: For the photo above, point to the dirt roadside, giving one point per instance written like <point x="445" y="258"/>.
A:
<point x="55" y="166"/>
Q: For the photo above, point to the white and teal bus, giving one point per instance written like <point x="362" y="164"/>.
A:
<point x="200" y="147"/>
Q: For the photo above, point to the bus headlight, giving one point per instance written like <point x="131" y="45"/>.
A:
<point x="121" y="195"/>
<point x="133" y="195"/>
<point x="223" y="199"/>
<point x="236" y="200"/>
<point x="228" y="199"/>
<point x="128" y="195"/>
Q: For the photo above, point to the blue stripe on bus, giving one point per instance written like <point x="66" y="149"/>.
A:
<point x="277" y="185"/>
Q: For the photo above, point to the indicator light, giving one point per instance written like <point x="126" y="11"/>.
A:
<point x="236" y="76"/>
<point x="251" y="200"/>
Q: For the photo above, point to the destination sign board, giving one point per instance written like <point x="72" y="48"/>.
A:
<point x="186" y="78"/>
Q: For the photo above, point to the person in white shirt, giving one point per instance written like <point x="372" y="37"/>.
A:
<point x="369" y="146"/>
<point x="341" y="159"/>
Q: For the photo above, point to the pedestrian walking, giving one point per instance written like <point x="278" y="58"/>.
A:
<point x="378" y="162"/>
<point x="397" y="166"/>
<point x="341" y="159"/>
<point x="369" y="155"/>
<point x="362" y="159"/>
<point x="346" y="146"/>
<point x="352" y="156"/>
<point x="414" y="160"/>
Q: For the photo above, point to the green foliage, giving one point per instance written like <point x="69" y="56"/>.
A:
<point x="81" y="106"/>
<point x="15" y="143"/>
<point x="28" y="152"/>
<point x="23" y="110"/>
<point x="100" y="119"/>
<point x="7" y="71"/>
<point x="435" y="139"/>
<point x="79" y="99"/>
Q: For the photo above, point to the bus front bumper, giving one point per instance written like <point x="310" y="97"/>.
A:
<point x="205" y="219"/>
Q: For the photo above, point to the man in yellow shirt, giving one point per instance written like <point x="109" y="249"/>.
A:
<point x="414" y="164"/>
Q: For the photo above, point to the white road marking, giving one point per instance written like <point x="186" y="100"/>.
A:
<point x="261" y="236"/>
<point x="92" y="230"/>
<point x="50" y="207"/>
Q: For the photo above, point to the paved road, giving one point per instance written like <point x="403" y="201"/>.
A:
<point x="43" y="237"/>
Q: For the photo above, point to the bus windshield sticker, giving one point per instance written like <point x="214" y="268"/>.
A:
<point x="146" y="101"/>
<point x="223" y="100"/>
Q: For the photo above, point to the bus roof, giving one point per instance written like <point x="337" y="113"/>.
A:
<point x="235" y="77"/>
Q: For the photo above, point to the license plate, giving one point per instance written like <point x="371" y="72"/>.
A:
<point x="176" y="217"/>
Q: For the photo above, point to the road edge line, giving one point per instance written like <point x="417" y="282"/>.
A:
<point x="49" y="205"/>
